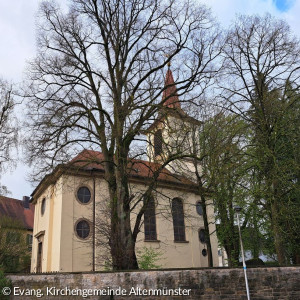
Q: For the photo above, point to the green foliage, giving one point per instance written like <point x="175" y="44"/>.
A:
<point x="258" y="169"/>
<point x="266" y="96"/>
<point x="108" y="266"/>
<point x="277" y="163"/>
<point x="148" y="258"/>
<point x="14" y="251"/>
<point x="4" y="282"/>
<point x="238" y="173"/>
<point x="222" y="140"/>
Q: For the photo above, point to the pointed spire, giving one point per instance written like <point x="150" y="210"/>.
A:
<point x="170" y="92"/>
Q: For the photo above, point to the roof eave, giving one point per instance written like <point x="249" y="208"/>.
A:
<point x="69" y="170"/>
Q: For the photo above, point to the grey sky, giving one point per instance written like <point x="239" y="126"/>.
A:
<point x="17" y="38"/>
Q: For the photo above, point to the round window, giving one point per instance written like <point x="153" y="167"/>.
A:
<point x="43" y="206"/>
<point x="84" y="194"/>
<point x="83" y="229"/>
<point x="199" y="208"/>
<point x="202" y="237"/>
<point x="204" y="252"/>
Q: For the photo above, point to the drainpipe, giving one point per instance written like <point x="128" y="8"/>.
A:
<point x="94" y="221"/>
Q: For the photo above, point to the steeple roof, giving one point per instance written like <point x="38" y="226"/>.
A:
<point x="171" y="105"/>
<point x="170" y="93"/>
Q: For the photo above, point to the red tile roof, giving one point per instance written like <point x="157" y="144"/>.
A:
<point x="14" y="208"/>
<point x="170" y="92"/>
<point x="89" y="159"/>
<point x="140" y="170"/>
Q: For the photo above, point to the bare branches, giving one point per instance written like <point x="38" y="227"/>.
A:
<point x="259" y="52"/>
<point x="8" y="127"/>
<point x="98" y="77"/>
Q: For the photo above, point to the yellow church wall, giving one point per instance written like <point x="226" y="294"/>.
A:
<point x="179" y="254"/>
<point x="47" y="229"/>
<point x="64" y="251"/>
<point x="75" y="252"/>
<point x="54" y="230"/>
<point x="40" y="230"/>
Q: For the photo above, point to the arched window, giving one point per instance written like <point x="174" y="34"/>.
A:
<point x="157" y="142"/>
<point x="202" y="236"/>
<point x="43" y="206"/>
<point x="199" y="208"/>
<point x="150" y="221"/>
<point x="178" y="220"/>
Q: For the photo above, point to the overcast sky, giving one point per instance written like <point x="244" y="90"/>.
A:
<point x="17" y="40"/>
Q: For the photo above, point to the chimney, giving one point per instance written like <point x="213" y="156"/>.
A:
<point x="26" y="202"/>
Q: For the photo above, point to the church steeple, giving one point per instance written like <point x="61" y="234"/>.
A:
<point x="170" y="93"/>
<point x="170" y="129"/>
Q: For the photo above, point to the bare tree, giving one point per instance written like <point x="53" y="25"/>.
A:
<point x="97" y="83"/>
<point x="262" y="69"/>
<point x="8" y="130"/>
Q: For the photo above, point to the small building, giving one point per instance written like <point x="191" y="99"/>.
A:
<point x="16" y="229"/>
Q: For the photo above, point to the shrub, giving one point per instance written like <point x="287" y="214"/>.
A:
<point x="4" y="282"/>
<point x="147" y="258"/>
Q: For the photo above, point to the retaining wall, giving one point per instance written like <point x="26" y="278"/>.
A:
<point x="219" y="283"/>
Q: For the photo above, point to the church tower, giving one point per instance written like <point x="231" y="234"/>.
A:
<point x="173" y="133"/>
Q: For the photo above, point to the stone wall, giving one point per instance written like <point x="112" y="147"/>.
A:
<point x="218" y="283"/>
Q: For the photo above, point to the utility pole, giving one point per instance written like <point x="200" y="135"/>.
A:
<point x="238" y="210"/>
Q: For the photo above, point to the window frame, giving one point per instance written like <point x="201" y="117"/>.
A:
<point x="43" y="206"/>
<point x="90" y="229"/>
<point x="29" y="240"/>
<point x="158" y="142"/>
<point x="202" y="241"/>
<point x="13" y="237"/>
<point x="178" y="220"/>
<point x="150" y="221"/>
<point x="198" y="203"/>
<point x="77" y="198"/>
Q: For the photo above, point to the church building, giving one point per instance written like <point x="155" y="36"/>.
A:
<point x="71" y="214"/>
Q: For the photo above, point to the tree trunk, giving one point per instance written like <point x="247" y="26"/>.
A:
<point x="275" y="220"/>
<point x="278" y="241"/>
<point x="256" y="244"/>
<point x="232" y="253"/>
<point x="122" y="243"/>
<point x="205" y="219"/>
<point x="207" y="234"/>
